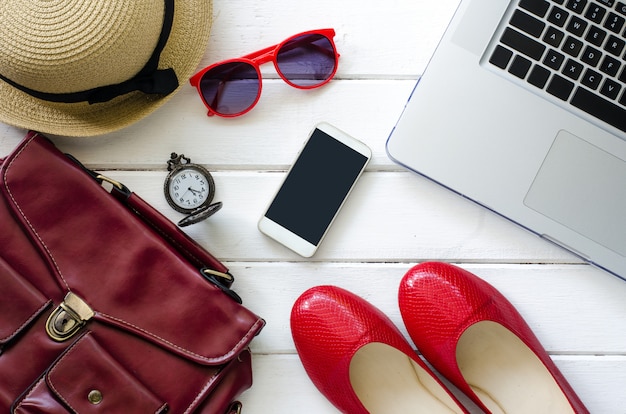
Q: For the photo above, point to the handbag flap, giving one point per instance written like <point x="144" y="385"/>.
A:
<point x="88" y="380"/>
<point x="21" y="303"/>
<point x="125" y="270"/>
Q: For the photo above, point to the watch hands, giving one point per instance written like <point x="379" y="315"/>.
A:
<point x="195" y="191"/>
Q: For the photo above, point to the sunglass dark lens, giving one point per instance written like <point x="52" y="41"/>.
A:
<point x="307" y="60"/>
<point x="230" y="88"/>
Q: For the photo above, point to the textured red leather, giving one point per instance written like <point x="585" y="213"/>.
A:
<point x="439" y="301"/>
<point x="329" y="325"/>
<point x="162" y="336"/>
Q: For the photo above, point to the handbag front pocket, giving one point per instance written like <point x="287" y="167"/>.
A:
<point x="87" y="379"/>
<point x="20" y="305"/>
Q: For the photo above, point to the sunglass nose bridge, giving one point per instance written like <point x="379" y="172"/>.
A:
<point x="262" y="56"/>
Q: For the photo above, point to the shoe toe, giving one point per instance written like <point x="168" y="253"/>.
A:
<point x="475" y="337"/>
<point x="329" y="325"/>
<point x="358" y="359"/>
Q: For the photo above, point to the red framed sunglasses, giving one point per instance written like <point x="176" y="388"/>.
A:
<point x="232" y="87"/>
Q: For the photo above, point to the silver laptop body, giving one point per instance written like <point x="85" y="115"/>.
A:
<point x="498" y="119"/>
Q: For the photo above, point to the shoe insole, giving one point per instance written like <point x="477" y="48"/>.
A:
<point x="388" y="381"/>
<point x="506" y="375"/>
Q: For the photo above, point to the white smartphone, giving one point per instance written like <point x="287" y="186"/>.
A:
<point x="314" y="189"/>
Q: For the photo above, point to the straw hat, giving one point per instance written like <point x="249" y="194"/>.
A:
<point x="57" y="55"/>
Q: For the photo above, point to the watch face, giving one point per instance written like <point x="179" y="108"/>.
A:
<point x="190" y="188"/>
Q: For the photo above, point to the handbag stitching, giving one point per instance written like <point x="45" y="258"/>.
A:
<point x="54" y="367"/>
<point x="29" y="393"/>
<point x="227" y="355"/>
<point x="162" y="409"/>
<point x="201" y="392"/>
<point x="28" y="321"/>
<point x="71" y="349"/>
<point x="6" y="185"/>
<point x="67" y="353"/>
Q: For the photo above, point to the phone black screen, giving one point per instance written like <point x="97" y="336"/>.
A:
<point x="316" y="186"/>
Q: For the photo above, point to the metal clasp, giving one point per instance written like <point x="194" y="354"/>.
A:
<point x="235" y="408"/>
<point x="111" y="181"/>
<point x="222" y="281"/>
<point x="67" y="319"/>
<point x="111" y="185"/>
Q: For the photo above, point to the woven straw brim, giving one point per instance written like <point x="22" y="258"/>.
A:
<point x="186" y="45"/>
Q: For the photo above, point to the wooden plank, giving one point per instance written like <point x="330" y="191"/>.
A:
<point x="374" y="38"/>
<point x="281" y="385"/>
<point x="390" y="216"/>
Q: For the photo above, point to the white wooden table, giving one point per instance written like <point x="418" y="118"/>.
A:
<point x="394" y="218"/>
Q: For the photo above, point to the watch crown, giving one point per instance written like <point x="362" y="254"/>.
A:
<point x="176" y="160"/>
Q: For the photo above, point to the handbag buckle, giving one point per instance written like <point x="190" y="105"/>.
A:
<point x="67" y="319"/>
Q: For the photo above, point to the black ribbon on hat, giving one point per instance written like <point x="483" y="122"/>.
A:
<point x="158" y="82"/>
<point x="149" y="80"/>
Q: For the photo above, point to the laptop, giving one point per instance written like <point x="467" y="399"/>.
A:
<point x="522" y="109"/>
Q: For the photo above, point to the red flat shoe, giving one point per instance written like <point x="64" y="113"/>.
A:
<point x="359" y="360"/>
<point x="475" y="338"/>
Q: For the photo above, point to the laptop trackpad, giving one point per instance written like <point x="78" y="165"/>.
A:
<point x="571" y="188"/>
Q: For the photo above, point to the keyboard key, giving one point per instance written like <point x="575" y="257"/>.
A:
<point x="591" y="79"/>
<point x="610" y="66"/>
<point x="614" y="45"/>
<point x="610" y="89"/>
<point x="527" y="23"/>
<point x="576" y="5"/>
<point x="572" y="69"/>
<point x="560" y="87"/>
<point x="539" y="76"/>
<point x="621" y="7"/>
<point x="595" y="36"/>
<point x="523" y="44"/>
<point x="558" y="17"/>
<point x="595" y="13"/>
<point x="622" y="100"/>
<point x="553" y="36"/>
<point x="591" y="56"/>
<point x="572" y="46"/>
<point x="501" y="57"/>
<point x="622" y="76"/>
<point x="577" y="26"/>
<point x="520" y="66"/>
<point x="553" y="59"/>
<point x="608" y="3"/>
<point x="538" y="7"/>
<point x="599" y="107"/>
<point x="614" y="23"/>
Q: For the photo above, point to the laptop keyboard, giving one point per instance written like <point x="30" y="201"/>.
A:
<point x="574" y="50"/>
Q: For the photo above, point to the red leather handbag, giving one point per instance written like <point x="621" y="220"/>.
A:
<point x="105" y="305"/>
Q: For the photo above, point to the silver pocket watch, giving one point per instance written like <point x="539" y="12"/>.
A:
<point x="189" y="189"/>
